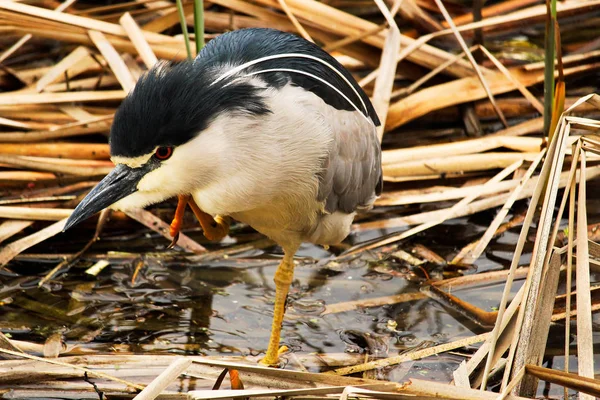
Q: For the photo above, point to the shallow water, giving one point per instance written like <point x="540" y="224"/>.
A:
<point x="224" y="306"/>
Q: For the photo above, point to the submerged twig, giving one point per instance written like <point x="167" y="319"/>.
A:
<point x="104" y="215"/>
<point x="412" y="356"/>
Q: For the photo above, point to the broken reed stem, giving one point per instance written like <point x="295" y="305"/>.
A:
<point x="588" y="388"/>
<point x="513" y="383"/>
<point x="522" y="88"/>
<point x="449" y="214"/>
<point x="286" y="9"/>
<point x="77" y="367"/>
<point x="514" y="263"/>
<point x="137" y="38"/>
<point x="425" y="78"/>
<point x="384" y="84"/>
<point x="451" y="284"/>
<point x="462" y="43"/>
<point x="569" y="284"/>
<point x="547" y="184"/>
<point x="13" y="49"/>
<point x="585" y="341"/>
<point x="161" y="382"/>
<point x="489" y="233"/>
<point x="114" y="60"/>
<point x="331" y="47"/>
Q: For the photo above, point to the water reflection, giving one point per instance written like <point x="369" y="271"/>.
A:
<point x="224" y="306"/>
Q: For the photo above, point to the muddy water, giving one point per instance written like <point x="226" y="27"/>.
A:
<point x="224" y="307"/>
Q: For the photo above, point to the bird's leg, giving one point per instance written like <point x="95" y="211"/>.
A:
<point x="175" y="227"/>
<point x="214" y="228"/>
<point x="283" y="280"/>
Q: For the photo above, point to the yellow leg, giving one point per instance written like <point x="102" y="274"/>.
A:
<point x="283" y="280"/>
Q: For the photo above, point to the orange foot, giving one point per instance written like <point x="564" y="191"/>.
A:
<point x="213" y="228"/>
<point x="175" y="226"/>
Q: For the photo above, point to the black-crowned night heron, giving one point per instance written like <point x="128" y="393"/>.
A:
<point x="263" y="127"/>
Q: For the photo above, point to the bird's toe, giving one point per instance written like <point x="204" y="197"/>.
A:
<point x="274" y="362"/>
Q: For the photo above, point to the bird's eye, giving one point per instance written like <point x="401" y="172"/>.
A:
<point x="163" y="152"/>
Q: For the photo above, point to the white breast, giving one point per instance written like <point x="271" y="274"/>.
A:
<point x="267" y="174"/>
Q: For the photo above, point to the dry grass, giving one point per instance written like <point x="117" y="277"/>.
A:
<point x="66" y="66"/>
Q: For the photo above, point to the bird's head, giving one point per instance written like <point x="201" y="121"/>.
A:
<point x="167" y="136"/>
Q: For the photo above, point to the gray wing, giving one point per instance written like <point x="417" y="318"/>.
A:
<point x="351" y="177"/>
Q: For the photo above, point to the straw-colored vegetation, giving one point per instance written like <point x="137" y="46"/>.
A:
<point x="64" y="67"/>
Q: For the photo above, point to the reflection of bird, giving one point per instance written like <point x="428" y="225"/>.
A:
<point x="263" y="127"/>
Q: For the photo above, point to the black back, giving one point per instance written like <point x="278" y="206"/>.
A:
<point x="172" y="103"/>
<point x="246" y="45"/>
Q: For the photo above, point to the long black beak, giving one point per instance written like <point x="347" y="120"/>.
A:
<point x="119" y="183"/>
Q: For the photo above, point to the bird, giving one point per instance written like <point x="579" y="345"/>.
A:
<point x="262" y="127"/>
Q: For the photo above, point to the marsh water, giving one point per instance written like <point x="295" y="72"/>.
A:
<point x="223" y="305"/>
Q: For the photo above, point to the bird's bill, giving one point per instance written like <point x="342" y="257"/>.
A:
<point x="119" y="183"/>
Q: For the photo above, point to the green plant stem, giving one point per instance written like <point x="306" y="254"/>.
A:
<point x="199" y="24"/>
<point x="549" y="65"/>
<point x="186" y="36"/>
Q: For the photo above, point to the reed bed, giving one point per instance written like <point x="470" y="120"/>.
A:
<point x="473" y="120"/>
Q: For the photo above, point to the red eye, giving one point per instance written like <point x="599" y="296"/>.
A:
<point x="163" y="152"/>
